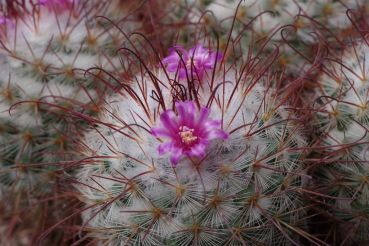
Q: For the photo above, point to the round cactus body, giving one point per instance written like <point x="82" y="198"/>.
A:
<point x="342" y="117"/>
<point x="194" y="160"/>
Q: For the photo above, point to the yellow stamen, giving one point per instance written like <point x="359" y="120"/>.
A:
<point x="187" y="135"/>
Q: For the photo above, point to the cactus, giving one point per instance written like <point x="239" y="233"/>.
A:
<point x="51" y="53"/>
<point x="282" y="12"/>
<point x="192" y="148"/>
<point x="194" y="160"/>
<point x="296" y="27"/>
<point x="43" y="66"/>
<point x="343" y="118"/>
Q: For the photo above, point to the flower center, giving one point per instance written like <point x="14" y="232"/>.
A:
<point x="186" y="135"/>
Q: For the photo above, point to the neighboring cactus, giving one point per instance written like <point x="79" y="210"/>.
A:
<point x="275" y="14"/>
<point x="234" y="175"/>
<point x="44" y="66"/>
<point x="343" y="120"/>
<point x="51" y="52"/>
<point x="296" y="27"/>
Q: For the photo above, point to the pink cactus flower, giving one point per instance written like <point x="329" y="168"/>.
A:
<point x="196" y="61"/>
<point x="189" y="132"/>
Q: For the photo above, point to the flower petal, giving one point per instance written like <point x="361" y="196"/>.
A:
<point x="176" y="155"/>
<point x="178" y="48"/>
<point x="165" y="147"/>
<point x="182" y="73"/>
<point x="217" y="133"/>
<point x="204" y="113"/>
<point x="212" y="124"/>
<point x="198" y="150"/>
<point x="169" y="120"/>
<point x="171" y="59"/>
<point x="186" y="111"/>
<point x="160" y="132"/>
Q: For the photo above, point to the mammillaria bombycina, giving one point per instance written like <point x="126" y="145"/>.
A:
<point x="342" y="117"/>
<point x="50" y="53"/>
<point x="242" y="187"/>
